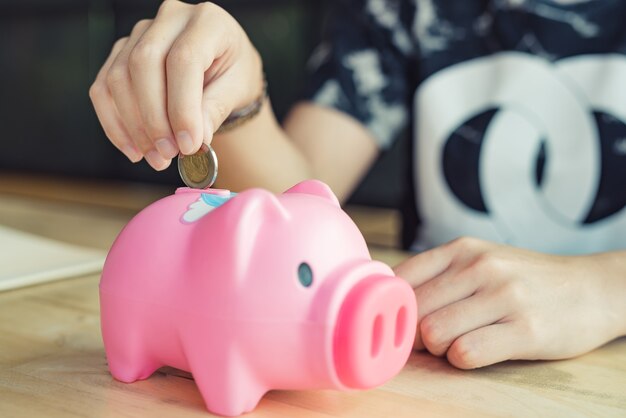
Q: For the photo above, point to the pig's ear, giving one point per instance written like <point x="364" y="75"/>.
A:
<point x="249" y="216"/>
<point x="316" y="188"/>
<point x="241" y="226"/>
<point x="250" y="210"/>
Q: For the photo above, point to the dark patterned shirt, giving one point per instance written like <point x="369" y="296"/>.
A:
<point x="518" y="110"/>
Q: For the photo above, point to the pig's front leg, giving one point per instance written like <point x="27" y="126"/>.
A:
<point x="223" y="376"/>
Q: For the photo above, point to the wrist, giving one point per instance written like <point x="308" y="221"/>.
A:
<point x="240" y="116"/>
<point x="609" y="270"/>
<point x="255" y="95"/>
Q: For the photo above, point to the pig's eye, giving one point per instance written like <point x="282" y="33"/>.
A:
<point x="305" y="275"/>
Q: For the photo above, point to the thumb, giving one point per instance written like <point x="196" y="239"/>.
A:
<point x="227" y="96"/>
<point x="218" y="102"/>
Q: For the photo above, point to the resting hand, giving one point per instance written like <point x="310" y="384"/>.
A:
<point x="481" y="303"/>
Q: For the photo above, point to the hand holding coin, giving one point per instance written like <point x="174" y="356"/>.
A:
<point x="198" y="170"/>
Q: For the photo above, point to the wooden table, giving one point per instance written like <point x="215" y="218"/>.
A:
<point x="52" y="362"/>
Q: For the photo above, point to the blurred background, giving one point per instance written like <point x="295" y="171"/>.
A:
<point x="51" y="50"/>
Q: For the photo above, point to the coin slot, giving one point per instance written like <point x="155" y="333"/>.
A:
<point x="218" y="192"/>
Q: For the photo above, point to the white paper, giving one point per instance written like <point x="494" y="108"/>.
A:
<point x="27" y="259"/>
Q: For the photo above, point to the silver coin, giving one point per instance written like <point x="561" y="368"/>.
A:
<point x="198" y="170"/>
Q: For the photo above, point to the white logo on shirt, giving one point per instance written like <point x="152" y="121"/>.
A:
<point x="536" y="100"/>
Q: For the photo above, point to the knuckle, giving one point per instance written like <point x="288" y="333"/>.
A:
<point x="221" y="21"/>
<point x="95" y="90"/>
<point x="117" y="75"/>
<point x="179" y="117"/>
<point x="169" y="5"/>
<point x="135" y="61"/>
<point x="515" y="293"/>
<point x="463" y="355"/>
<point x="489" y="265"/>
<point x="464" y="243"/>
<point x="120" y="43"/>
<point x="141" y="25"/>
<point x="154" y="126"/>
<point x="182" y="53"/>
<point x="152" y="121"/>
<point x="208" y="7"/>
<point x="144" y="52"/>
<point x="141" y="140"/>
<point x="432" y="336"/>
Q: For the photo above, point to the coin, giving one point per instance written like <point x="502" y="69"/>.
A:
<point x="198" y="170"/>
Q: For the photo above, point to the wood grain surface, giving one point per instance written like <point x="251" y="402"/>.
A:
<point x="52" y="362"/>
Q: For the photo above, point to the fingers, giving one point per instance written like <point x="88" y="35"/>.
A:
<point x="147" y="70"/>
<point x="443" y="276"/>
<point x="487" y="345"/>
<point x="454" y="285"/>
<point x="442" y="327"/>
<point x="120" y="84"/>
<point x="424" y="266"/>
<point x="107" y="112"/>
<point x="192" y="53"/>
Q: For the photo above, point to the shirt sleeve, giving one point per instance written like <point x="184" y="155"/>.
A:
<point x="364" y="67"/>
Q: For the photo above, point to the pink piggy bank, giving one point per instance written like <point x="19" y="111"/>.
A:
<point x="252" y="292"/>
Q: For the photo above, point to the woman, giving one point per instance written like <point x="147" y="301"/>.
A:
<point x="518" y="112"/>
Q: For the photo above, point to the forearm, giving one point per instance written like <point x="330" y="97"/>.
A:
<point x="259" y="154"/>
<point x="315" y="142"/>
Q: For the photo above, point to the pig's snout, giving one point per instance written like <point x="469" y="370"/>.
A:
<point x="375" y="331"/>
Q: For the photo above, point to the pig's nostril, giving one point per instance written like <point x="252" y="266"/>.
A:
<point x="377" y="335"/>
<point x="400" y="326"/>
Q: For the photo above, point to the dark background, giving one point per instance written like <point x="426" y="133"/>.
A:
<point x="51" y="50"/>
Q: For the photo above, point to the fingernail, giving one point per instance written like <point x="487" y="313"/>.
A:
<point x="131" y="153"/>
<point x="166" y="147"/>
<point x="156" y="160"/>
<point x="185" y="143"/>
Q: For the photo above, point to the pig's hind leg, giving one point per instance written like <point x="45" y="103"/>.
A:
<point x="128" y="362"/>
<point x="123" y="334"/>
